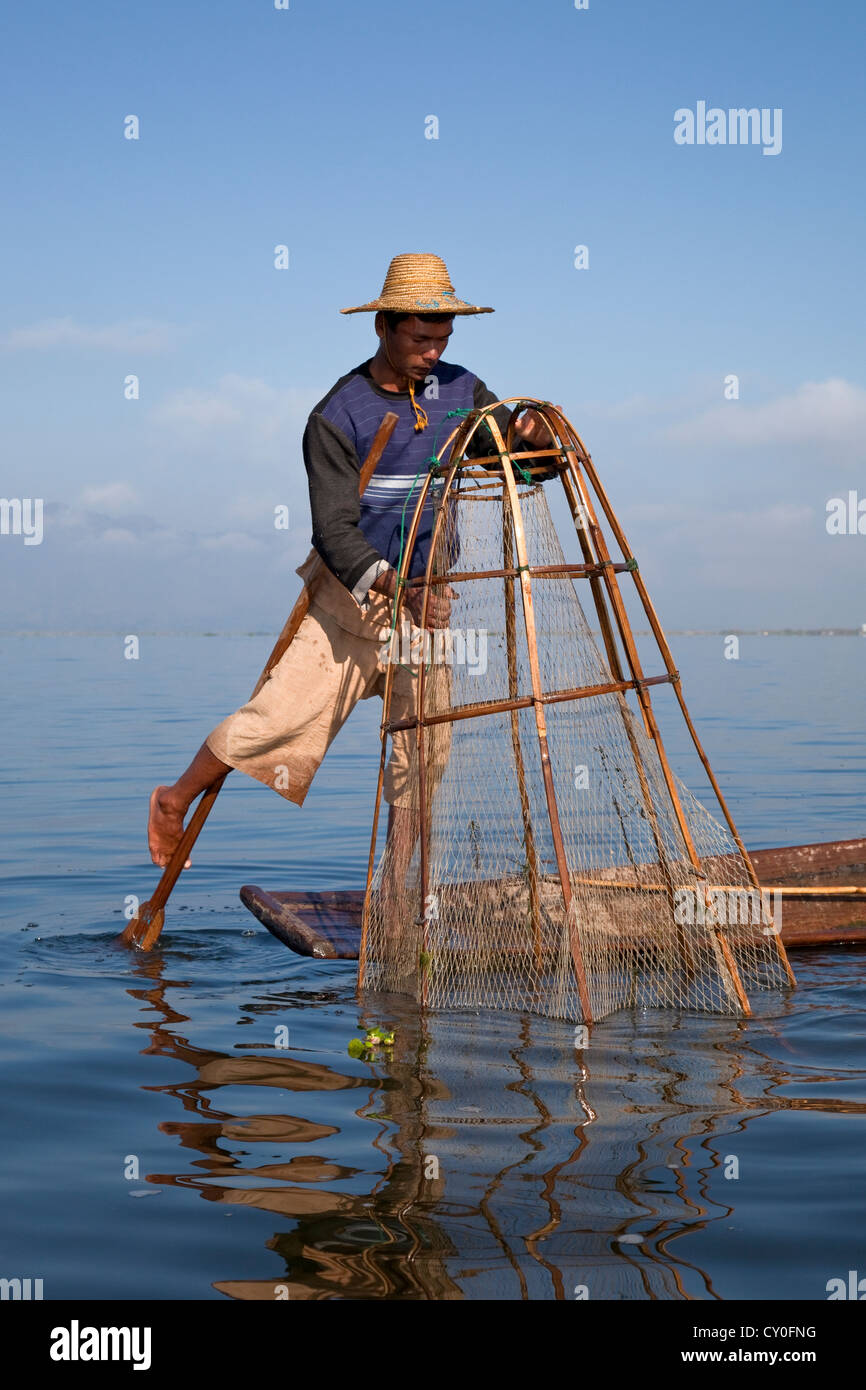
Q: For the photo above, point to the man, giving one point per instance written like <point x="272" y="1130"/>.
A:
<point x="281" y="736"/>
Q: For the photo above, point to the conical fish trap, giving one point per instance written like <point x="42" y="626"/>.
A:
<point x="546" y="858"/>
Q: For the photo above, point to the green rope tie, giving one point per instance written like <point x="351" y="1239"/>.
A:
<point x="631" y="564"/>
<point x="461" y="412"/>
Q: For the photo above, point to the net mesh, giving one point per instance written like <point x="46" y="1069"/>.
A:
<point x="643" y="927"/>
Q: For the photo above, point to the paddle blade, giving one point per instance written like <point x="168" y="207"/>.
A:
<point x="144" y="929"/>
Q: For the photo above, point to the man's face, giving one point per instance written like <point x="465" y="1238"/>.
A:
<point x="416" y="346"/>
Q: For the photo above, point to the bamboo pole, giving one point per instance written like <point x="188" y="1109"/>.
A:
<point x="613" y="657"/>
<point x="423" y="724"/>
<point x="828" y="893"/>
<point x="511" y="658"/>
<point x="580" y="516"/>
<point x="562" y="428"/>
<point x="595" y="583"/>
<point x="667" y="657"/>
<point x="540" y="724"/>
<point x="552" y="697"/>
<point x="587" y="571"/>
<point x="624" y="627"/>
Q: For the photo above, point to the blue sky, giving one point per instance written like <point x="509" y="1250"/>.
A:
<point x="306" y="127"/>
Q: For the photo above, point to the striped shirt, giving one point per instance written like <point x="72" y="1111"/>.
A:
<point x="356" y="537"/>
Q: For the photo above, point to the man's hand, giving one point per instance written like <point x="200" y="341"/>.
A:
<point x="438" y="604"/>
<point x="533" y="429"/>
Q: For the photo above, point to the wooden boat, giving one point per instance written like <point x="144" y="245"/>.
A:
<point x="823" y="903"/>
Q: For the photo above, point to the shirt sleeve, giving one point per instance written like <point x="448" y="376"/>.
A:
<point x="361" y="591"/>
<point x="334" y="477"/>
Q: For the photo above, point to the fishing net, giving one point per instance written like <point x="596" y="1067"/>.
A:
<point x="548" y="860"/>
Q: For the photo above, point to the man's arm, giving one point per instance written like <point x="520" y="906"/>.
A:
<point x="334" y="476"/>
<point x="438" y="600"/>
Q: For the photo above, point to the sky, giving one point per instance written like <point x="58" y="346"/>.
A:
<point x="307" y="126"/>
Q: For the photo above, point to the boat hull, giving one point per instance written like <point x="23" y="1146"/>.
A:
<point x="327" y="925"/>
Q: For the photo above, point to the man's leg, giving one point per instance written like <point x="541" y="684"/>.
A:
<point x="403" y="826"/>
<point x="169" y="805"/>
<point x="280" y="736"/>
<point x="397" y="908"/>
<point x="400" y="905"/>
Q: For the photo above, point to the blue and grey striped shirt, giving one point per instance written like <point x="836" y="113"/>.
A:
<point x="353" y="535"/>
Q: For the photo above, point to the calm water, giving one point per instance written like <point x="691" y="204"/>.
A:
<point x="158" y="1145"/>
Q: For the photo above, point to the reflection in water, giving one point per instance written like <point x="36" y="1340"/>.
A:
<point x="484" y="1157"/>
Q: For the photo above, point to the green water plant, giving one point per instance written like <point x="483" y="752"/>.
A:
<point x="375" y="1042"/>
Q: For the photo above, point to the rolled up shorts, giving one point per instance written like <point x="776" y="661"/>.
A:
<point x="281" y="736"/>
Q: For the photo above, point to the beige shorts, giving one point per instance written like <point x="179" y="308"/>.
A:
<point x="281" y="736"/>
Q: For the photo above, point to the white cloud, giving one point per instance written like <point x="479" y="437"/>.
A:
<point x="824" y="415"/>
<point x="262" y="420"/>
<point x="788" y="516"/>
<point x="725" y="550"/>
<point x="112" y="498"/>
<point x="200" y="409"/>
<point x="638" y="407"/>
<point x="694" y="520"/>
<point x="87" y="528"/>
<point x="665" y="513"/>
<point x="135" y="335"/>
<point x="117" y="535"/>
<point x="237" y="541"/>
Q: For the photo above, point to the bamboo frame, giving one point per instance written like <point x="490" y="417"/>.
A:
<point x="661" y="641"/>
<point x="595" y="571"/>
<point x="538" y="707"/>
<point x="511" y="658"/>
<point x="556" y="422"/>
<point x="580" y="482"/>
<point x="550" y="697"/>
<point x="587" y="571"/>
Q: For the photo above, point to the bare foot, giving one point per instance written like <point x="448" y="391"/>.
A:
<point x="165" y="826"/>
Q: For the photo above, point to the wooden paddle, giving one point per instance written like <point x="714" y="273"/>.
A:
<point x="144" y="929"/>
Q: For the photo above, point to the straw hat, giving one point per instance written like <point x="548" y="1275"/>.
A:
<point x="418" y="284"/>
